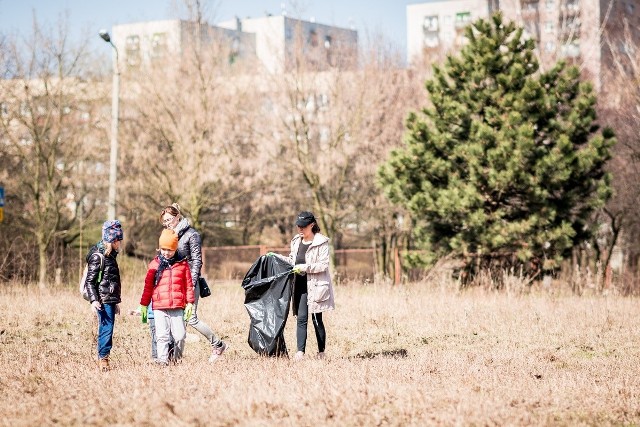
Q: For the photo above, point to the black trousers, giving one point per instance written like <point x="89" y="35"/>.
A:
<point x="301" y="309"/>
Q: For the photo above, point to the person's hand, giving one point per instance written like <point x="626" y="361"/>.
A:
<point x="270" y="253"/>
<point x="96" y="306"/>
<point x="187" y="311"/>
<point x="143" y="312"/>
<point x="299" y="268"/>
<point x="117" y="308"/>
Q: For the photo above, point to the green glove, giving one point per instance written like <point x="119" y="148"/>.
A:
<point x="187" y="311"/>
<point x="296" y="270"/>
<point x="143" y="312"/>
<point x="270" y="253"/>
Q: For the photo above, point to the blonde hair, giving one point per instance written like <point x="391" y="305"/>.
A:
<point x="108" y="248"/>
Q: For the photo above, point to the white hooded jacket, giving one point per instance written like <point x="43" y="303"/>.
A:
<point x="319" y="287"/>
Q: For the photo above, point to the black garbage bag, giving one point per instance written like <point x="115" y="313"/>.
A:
<point x="267" y="288"/>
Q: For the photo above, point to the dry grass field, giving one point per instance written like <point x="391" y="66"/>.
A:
<point x="415" y="354"/>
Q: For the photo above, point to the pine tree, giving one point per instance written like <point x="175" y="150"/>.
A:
<point x="507" y="163"/>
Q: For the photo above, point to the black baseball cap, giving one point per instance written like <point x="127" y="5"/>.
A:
<point x="305" y="218"/>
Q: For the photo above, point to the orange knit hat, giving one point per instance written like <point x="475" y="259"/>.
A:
<point x="168" y="240"/>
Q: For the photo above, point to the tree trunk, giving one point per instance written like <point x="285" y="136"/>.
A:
<point x="42" y="264"/>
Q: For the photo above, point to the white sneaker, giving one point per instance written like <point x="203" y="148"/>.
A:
<point x="320" y="355"/>
<point x="299" y="356"/>
<point x="217" y="352"/>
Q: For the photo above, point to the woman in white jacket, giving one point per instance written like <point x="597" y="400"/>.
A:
<point x="312" y="288"/>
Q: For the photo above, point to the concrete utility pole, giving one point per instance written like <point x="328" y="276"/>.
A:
<point x="113" y="159"/>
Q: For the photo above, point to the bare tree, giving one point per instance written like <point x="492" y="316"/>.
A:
<point x="190" y="121"/>
<point x="49" y="132"/>
<point x="335" y="123"/>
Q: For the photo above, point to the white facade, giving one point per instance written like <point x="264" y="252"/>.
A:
<point x="280" y="39"/>
<point x="142" y="43"/>
<point x="276" y="41"/>
<point x="581" y="31"/>
<point x="440" y="24"/>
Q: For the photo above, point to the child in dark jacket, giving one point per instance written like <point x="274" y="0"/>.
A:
<point x="169" y="285"/>
<point x="103" y="286"/>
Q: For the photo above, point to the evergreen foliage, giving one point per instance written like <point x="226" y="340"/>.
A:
<point x="507" y="163"/>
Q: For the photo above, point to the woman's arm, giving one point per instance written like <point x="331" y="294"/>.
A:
<point x="195" y="247"/>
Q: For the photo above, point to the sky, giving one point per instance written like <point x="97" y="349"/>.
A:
<point x="86" y="17"/>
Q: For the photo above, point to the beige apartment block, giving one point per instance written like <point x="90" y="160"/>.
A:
<point x="278" y="43"/>
<point x="588" y="33"/>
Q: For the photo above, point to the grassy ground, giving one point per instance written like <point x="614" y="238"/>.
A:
<point x="409" y="355"/>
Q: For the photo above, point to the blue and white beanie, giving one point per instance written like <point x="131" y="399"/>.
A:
<point x="112" y="231"/>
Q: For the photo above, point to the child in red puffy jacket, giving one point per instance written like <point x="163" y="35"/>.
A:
<point x="169" y="285"/>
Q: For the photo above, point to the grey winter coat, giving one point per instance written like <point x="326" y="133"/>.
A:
<point x="319" y="287"/>
<point x="190" y="246"/>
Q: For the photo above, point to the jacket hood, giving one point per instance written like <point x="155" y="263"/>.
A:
<point x="182" y="226"/>
<point x="318" y="239"/>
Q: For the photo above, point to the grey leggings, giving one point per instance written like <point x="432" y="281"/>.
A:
<point x="199" y="325"/>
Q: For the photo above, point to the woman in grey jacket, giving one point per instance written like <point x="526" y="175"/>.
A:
<point x="312" y="288"/>
<point x="190" y="246"/>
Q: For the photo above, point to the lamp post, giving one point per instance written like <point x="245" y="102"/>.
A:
<point x="113" y="170"/>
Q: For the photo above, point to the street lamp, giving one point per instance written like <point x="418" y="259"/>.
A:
<point x="111" y="211"/>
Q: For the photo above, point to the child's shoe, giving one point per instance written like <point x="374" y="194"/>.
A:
<point x="217" y="351"/>
<point x="299" y="356"/>
<point x="104" y="364"/>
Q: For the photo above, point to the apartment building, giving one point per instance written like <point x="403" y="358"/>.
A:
<point x="281" y="42"/>
<point x="278" y="43"/>
<point x="142" y="43"/>
<point x="585" y="32"/>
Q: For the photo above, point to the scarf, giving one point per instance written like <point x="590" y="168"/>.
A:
<point x="164" y="264"/>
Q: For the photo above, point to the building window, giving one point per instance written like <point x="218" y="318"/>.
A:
<point x="531" y="6"/>
<point x="571" y="50"/>
<point x="572" y="5"/>
<point x="549" y="47"/>
<point x="463" y="19"/>
<point x="431" y="40"/>
<point x="133" y="50"/>
<point x="572" y="25"/>
<point x="548" y="27"/>
<point x="327" y="42"/>
<point x="158" y="45"/>
<point x="234" y="51"/>
<point x="550" y="4"/>
<point x="461" y="40"/>
<point x="430" y="24"/>
<point x="313" y="38"/>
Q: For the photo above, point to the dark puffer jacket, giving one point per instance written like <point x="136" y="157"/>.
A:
<point x="190" y="247"/>
<point x="109" y="289"/>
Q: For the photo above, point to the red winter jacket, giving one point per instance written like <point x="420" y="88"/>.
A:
<point x="174" y="289"/>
